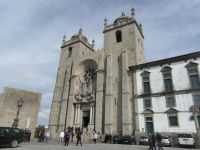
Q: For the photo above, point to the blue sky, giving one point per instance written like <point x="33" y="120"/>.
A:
<point x="31" y="34"/>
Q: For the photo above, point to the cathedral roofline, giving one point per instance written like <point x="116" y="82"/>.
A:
<point x="77" y="38"/>
<point x="122" y="21"/>
<point x="112" y="27"/>
<point x="161" y="62"/>
<point x="68" y="43"/>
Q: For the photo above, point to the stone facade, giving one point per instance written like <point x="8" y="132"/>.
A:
<point x="89" y="92"/>
<point x="27" y="114"/>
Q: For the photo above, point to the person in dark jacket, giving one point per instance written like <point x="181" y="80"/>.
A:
<point x="159" y="139"/>
<point x="67" y="137"/>
<point x="72" y="136"/>
<point x="150" y="143"/>
<point x="78" y="136"/>
<point x="153" y="141"/>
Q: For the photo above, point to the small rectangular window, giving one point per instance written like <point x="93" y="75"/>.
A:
<point x="196" y="99"/>
<point x="167" y="75"/>
<point x="147" y="103"/>
<point x="149" y="119"/>
<point x="173" y="120"/>
<point x="170" y="101"/>
<point x="192" y="71"/>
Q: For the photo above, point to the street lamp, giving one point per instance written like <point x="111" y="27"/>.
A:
<point x="19" y="106"/>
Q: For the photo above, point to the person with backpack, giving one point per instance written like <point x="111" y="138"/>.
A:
<point x="78" y="136"/>
<point x="67" y="137"/>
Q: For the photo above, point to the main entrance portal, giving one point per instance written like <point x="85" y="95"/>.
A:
<point x="86" y="119"/>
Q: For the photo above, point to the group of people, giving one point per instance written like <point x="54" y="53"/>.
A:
<point x="26" y="134"/>
<point x="65" y="137"/>
<point x="152" y="141"/>
<point x="43" y="136"/>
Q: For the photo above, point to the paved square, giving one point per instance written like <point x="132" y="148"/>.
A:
<point x="54" y="145"/>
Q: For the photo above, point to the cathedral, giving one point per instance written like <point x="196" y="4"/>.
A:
<point x="114" y="91"/>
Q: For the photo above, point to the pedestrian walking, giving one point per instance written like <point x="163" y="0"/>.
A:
<point x="40" y="136"/>
<point x="48" y="135"/>
<point x="150" y="142"/>
<point x="43" y="136"/>
<point x="159" y="139"/>
<point x="78" y="136"/>
<point x="62" y="134"/>
<point x="95" y="137"/>
<point x="72" y="134"/>
<point x="154" y="141"/>
<point x="67" y="137"/>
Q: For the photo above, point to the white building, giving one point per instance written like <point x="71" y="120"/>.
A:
<point x="165" y="93"/>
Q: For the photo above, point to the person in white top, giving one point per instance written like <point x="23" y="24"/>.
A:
<point x="95" y="137"/>
<point x="62" y="134"/>
<point x="47" y="136"/>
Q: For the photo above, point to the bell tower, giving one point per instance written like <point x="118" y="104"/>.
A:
<point x="125" y="34"/>
<point x="123" y="45"/>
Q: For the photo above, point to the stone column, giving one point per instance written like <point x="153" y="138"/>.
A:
<point x="135" y="106"/>
<point x="75" y="120"/>
<point x="91" y="114"/>
<point x="109" y="97"/>
<point x="98" y="107"/>
<point x="126" y="102"/>
<point x="70" y="110"/>
<point x="78" y="116"/>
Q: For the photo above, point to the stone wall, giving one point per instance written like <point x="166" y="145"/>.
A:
<point x="28" y="113"/>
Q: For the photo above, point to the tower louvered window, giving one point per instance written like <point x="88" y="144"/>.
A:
<point x="118" y="36"/>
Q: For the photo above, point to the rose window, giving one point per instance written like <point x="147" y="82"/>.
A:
<point x="90" y="75"/>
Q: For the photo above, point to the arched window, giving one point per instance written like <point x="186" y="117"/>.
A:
<point x="118" y="36"/>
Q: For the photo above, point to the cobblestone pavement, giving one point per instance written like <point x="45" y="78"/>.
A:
<point x="54" y="145"/>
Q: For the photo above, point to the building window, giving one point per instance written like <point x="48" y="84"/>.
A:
<point x="146" y="85"/>
<point x="70" y="51"/>
<point x="196" y="99"/>
<point x="173" y="120"/>
<point x="170" y="101"/>
<point x="198" y="120"/>
<point x="193" y="74"/>
<point x="147" y="103"/>
<point x="167" y="77"/>
<point x="146" y="82"/>
<point x="194" y="78"/>
<point x="118" y="36"/>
